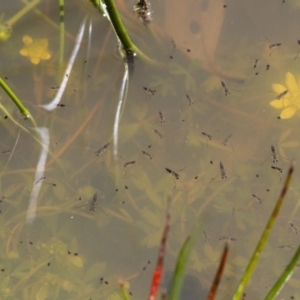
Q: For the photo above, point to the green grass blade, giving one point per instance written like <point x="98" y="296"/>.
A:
<point x="182" y="261"/>
<point x="124" y="290"/>
<point x="24" y="111"/>
<point x="255" y="256"/>
<point x="285" y="276"/>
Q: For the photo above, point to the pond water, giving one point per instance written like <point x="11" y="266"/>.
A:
<point x="83" y="200"/>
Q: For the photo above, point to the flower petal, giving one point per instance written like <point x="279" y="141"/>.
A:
<point x="291" y="83"/>
<point x="27" y="40"/>
<point x="24" y="52"/>
<point x="46" y="55"/>
<point x="276" y="104"/>
<point x="35" y="60"/>
<point x="288" y="112"/>
<point x="278" y="88"/>
<point x="281" y="103"/>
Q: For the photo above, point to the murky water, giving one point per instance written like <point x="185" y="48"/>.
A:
<point x="198" y="127"/>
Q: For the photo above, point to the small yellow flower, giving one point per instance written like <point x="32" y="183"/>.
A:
<point x="288" y="97"/>
<point x="36" y="50"/>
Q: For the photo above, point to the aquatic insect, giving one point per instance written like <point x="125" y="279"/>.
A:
<point x="255" y="63"/>
<point x="274" y="154"/>
<point x="39" y="180"/>
<point x="143" y="11"/>
<point x="274" y="45"/>
<point x="161" y="117"/>
<point x="222" y="169"/>
<point x="173" y="173"/>
<point x="102" y="149"/>
<point x="227" y="93"/>
<point x="286" y="247"/>
<point x="257" y="198"/>
<point x="228" y="238"/>
<point x="210" y="137"/>
<point x="189" y="99"/>
<point x="282" y="94"/>
<point x="277" y="169"/>
<point x="149" y="90"/>
<point x="227" y="139"/>
<point x="206" y="239"/>
<point x="129" y="163"/>
<point x="94" y="202"/>
<point x="267" y="67"/>
<point x="158" y="133"/>
<point x="148" y="155"/>
<point x="294" y="227"/>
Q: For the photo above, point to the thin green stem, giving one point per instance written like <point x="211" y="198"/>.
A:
<point x="121" y="32"/>
<point x="287" y="273"/>
<point x="262" y="241"/>
<point x="24" y="111"/>
<point x="118" y="25"/>
<point x="22" y="12"/>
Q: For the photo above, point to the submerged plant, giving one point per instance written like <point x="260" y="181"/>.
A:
<point x="185" y="254"/>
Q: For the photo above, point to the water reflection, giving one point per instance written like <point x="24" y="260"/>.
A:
<point x="200" y="128"/>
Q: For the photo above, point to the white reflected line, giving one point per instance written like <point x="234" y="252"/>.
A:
<point x="54" y="104"/>
<point x="118" y="112"/>
<point x="45" y="139"/>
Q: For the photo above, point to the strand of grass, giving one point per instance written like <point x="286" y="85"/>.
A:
<point x="29" y="6"/>
<point x="253" y="261"/>
<point x="61" y="37"/>
<point x="127" y="44"/>
<point x="181" y="264"/>
<point x="156" y="277"/>
<point x="23" y="110"/>
<point x="124" y="290"/>
<point x="217" y="279"/>
<point x="285" y="276"/>
<point x="48" y="20"/>
<point x="97" y="5"/>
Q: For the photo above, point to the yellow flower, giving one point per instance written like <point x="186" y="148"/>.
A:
<point x="288" y="97"/>
<point x="35" y="49"/>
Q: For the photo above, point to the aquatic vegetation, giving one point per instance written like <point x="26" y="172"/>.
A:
<point x="35" y="50"/>
<point x="288" y="98"/>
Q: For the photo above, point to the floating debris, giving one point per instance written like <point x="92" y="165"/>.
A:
<point x="143" y="11"/>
